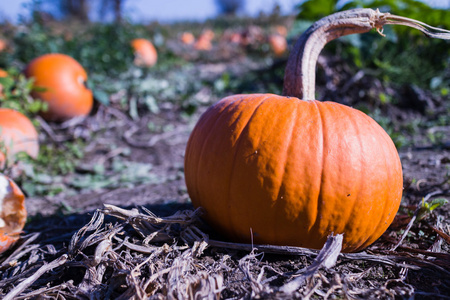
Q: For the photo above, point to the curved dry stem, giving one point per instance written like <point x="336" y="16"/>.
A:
<point x="299" y="78"/>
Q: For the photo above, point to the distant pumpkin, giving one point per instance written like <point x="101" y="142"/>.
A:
<point x="203" y="44"/>
<point x="17" y="134"/>
<point x="204" y="40"/>
<point x="278" y="44"/>
<point x="13" y="214"/>
<point x="63" y="79"/>
<point x="145" y="53"/>
<point x="3" y="45"/>
<point x="187" y="38"/>
<point x="208" y="34"/>
<point x="281" y="30"/>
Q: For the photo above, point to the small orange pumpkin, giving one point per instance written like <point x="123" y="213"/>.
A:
<point x="17" y="134"/>
<point x="63" y="79"/>
<point x="145" y="53"/>
<point x="13" y="214"/>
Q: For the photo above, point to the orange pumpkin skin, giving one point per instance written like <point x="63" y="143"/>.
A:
<point x="145" y="52"/>
<point x="64" y="80"/>
<point x="291" y="172"/>
<point x="18" y="134"/>
<point x="13" y="213"/>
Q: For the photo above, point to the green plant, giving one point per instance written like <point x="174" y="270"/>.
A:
<point x="428" y="206"/>
<point x="16" y="94"/>
<point x="402" y="58"/>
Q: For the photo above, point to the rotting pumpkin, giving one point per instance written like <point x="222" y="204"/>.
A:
<point x="63" y="81"/>
<point x="13" y="213"/>
<point x="290" y="170"/>
<point x="17" y="134"/>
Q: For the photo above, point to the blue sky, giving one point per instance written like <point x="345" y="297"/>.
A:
<point x="170" y="10"/>
<point x="165" y="10"/>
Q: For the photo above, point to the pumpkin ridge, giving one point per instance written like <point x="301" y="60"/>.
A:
<point x="387" y="191"/>
<point x="238" y="144"/>
<point x="356" y="128"/>
<point x="210" y="133"/>
<point x="369" y="240"/>
<point x="319" y="200"/>
<point x="195" y="159"/>
<point x="288" y="149"/>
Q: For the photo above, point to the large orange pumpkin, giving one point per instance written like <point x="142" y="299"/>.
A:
<point x="291" y="170"/>
<point x="17" y="134"/>
<point x="63" y="79"/>
<point x="145" y="53"/>
<point x="13" y="214"/>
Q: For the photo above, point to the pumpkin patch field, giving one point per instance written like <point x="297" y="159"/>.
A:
<point x="301" y="156"/>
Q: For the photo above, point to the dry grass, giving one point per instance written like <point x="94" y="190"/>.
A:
<point x="133" y="254"/>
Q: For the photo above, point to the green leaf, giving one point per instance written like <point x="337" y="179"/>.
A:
<point x="101" y="96"/>
<point x="7" y="82"/>
<point x="316" y="9"/>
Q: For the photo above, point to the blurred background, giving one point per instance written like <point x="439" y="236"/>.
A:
<point x="207" y="50"/>
<point x="154" y="10"/>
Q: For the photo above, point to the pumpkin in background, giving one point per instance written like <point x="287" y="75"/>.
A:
<point x="290" y="170"/>
<point x="63" y="79"/>
<point x="278" y="44"/>
<point x="3" y="45"/>
<point x="145" y="53"/>
<point x="231" y="36"/>
<point x="17" y="134"/>
<point x="204" y="40"/>
<point x="13" y="213"/>
<point x="187" y="38"/>
<point x="281" y="30"/>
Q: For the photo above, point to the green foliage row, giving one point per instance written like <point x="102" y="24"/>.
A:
<point x="404" y="56"/>
<point x="101" y="48"/>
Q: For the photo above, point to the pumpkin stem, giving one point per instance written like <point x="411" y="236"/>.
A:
<point x="299" y="77"/>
